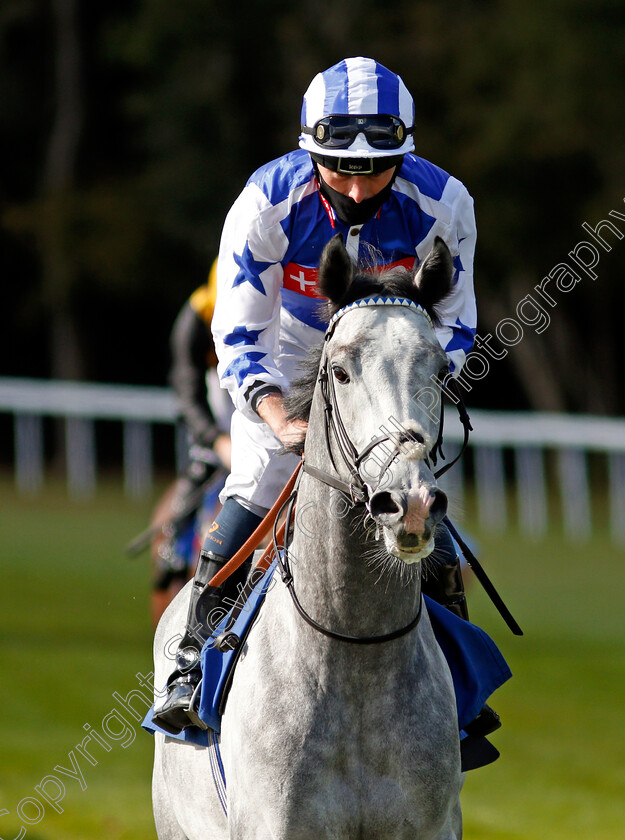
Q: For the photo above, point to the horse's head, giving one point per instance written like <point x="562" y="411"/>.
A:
<point x="380" y="350"/>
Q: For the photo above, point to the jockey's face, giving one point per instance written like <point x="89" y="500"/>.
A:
<point x="357" y="187"/>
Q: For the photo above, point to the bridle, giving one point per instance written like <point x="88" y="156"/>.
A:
<point x="355" y="489"/>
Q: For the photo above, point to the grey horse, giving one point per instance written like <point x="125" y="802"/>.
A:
<point x="323" y="738"/>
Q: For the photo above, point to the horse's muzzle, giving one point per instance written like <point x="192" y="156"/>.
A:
<point x="409" y="517"/>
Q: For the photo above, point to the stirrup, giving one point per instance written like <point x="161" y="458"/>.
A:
<point x="173" y="718"/>
<point x="476" y="753"/>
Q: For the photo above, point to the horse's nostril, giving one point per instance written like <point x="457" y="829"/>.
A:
<point x="382" y="504"/>
<point x="438" y="508"/>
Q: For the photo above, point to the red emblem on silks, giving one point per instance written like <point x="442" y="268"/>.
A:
<point x="407" y="262"/>
<point x="299" y="279"/>
<point x="303" y="280"/>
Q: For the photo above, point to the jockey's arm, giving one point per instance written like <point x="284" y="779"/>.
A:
<point x="457" y="312"/>
<point x="271" y="410"/>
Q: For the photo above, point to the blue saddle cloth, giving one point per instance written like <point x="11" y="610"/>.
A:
<point x="476" y="664"/>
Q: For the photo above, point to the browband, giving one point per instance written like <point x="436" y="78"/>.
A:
<point x="378" y="300"/>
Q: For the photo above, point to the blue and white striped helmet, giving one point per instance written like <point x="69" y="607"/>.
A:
<point x="357" y="86"/>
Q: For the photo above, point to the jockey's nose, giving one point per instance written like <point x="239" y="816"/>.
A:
<point x="360" y="188"/>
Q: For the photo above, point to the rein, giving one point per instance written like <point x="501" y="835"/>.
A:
<point x="278" y="550"/>
<point x="257" y="536"/>
<point x="355" y="489"/>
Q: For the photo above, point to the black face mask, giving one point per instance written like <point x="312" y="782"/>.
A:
<point x="352" y="212"/>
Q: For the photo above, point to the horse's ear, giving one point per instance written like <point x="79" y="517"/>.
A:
<point x="433" y="279"/>
<point x="336" y="270"/>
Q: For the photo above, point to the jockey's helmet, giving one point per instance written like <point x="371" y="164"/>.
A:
<point x="356" y="116"/>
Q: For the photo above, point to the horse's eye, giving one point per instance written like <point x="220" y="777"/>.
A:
<point x="339" y="374"/>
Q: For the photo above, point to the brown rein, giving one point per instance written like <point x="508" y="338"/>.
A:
<point x="259" y="534"/>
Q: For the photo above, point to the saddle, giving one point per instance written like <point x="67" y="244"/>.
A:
<point x="476" y="664"/>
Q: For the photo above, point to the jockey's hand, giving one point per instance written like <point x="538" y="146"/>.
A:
<point x="223" y="448"/>
<point x="271" y="410"/>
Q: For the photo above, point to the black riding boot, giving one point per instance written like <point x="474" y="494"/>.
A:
<point x="205" y="611"/>
<point x="444" y="585"/>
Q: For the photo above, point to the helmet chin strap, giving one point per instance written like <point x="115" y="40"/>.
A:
<point x="358" y="165"/>
<point x="352" y="212"/>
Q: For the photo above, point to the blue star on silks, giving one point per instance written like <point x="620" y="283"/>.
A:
<point x="458" y="268"/>
<point x="242" y="335"/>
<point x="245" y="365"/>
<point x="249" y="270"/>
<point x="462" y="338"/>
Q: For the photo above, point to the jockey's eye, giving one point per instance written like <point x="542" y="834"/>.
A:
<point x="339" y="374"/>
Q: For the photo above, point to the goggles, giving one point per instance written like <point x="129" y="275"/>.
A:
<point x="382" y="131"/>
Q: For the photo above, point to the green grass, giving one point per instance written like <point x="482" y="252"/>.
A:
<point x="75" y="627"/>
<point x="562" y="770"/>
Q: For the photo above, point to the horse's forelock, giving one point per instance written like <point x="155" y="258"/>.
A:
<point x="395" y="282"/>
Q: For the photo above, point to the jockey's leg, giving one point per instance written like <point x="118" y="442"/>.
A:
<point x="234" y="525"/>
<point x="444" y="585"/>
<point x="443" y="582"/>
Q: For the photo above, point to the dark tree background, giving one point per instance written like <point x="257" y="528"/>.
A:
<point x="128" y="127"/>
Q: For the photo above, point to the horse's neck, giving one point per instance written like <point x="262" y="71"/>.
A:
<point x="335" y="571"/>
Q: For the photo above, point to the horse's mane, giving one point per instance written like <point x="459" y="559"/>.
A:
<point x="394" y="282"/>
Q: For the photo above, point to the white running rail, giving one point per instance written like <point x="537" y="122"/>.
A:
<point x="533" y="449"/>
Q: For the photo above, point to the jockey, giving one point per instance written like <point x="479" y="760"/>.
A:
<point x="355" y="173"/>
